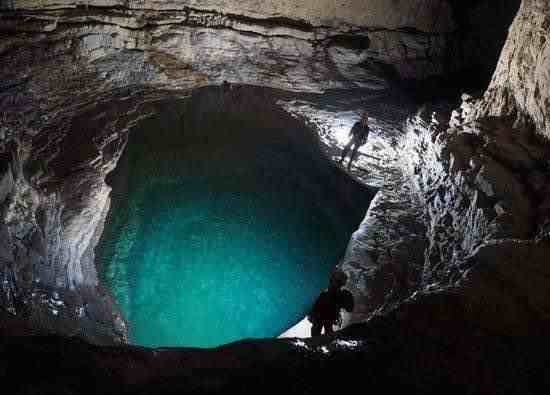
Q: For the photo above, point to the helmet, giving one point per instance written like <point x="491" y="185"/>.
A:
<point x="338" y="278"/>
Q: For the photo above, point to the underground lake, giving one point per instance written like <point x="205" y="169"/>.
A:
<point x="225" y="222"/>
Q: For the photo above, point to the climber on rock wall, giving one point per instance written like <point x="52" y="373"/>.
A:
<point x="359" y="134"/>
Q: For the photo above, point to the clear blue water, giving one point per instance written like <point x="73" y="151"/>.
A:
<point x="207" y="244"/>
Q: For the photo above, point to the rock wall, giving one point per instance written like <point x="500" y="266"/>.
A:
<point x="475" y="189"/>
<point x="306" y="46"/>
<point x="477" y="181"/>
<point x="454" y="190"/>
<point x="520" y="87"/>
<point x="55" y="203"/>
<point x="424" y="15"/>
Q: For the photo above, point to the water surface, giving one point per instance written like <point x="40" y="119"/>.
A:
<point x="220" y="229"/>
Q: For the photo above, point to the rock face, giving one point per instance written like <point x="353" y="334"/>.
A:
<point x="457" y="193"/>
<point x="521" y="84"/>
<point x="477" y="181"/>
<point x="52" y="219"/>
<point x="307" y="46"/>
<point x="423" y="15"/>
<point x="310" y="46"/>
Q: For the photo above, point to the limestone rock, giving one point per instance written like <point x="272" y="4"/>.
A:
<point x="521" y="83"/>
<point x="419" y="14"/>
<point x="472" y="179"/>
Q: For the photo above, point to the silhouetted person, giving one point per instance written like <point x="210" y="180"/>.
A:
<point x="226" y="87"/>
<point x="325" y="312"/>
<point x="358" y="137"/>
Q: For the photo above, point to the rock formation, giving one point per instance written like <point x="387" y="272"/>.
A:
<point x="449" y="267"/>
<point x="519" y="87"/>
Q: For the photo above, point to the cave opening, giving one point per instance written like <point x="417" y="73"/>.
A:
<point x="226" y="219"/>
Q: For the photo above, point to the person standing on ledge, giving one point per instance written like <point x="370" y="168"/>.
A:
<point x="359" y="134"/>
<point x="325" y="312"/>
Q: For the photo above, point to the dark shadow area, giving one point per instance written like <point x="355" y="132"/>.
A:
<point x="389" y="353"/>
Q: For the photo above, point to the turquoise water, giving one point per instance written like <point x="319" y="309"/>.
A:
<point x="206" y="244"/>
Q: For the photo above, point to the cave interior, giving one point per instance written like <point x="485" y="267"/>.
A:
<point x="173" y="198"/>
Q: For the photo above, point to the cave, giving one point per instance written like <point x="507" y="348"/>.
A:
<point x="173" y="199"/>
